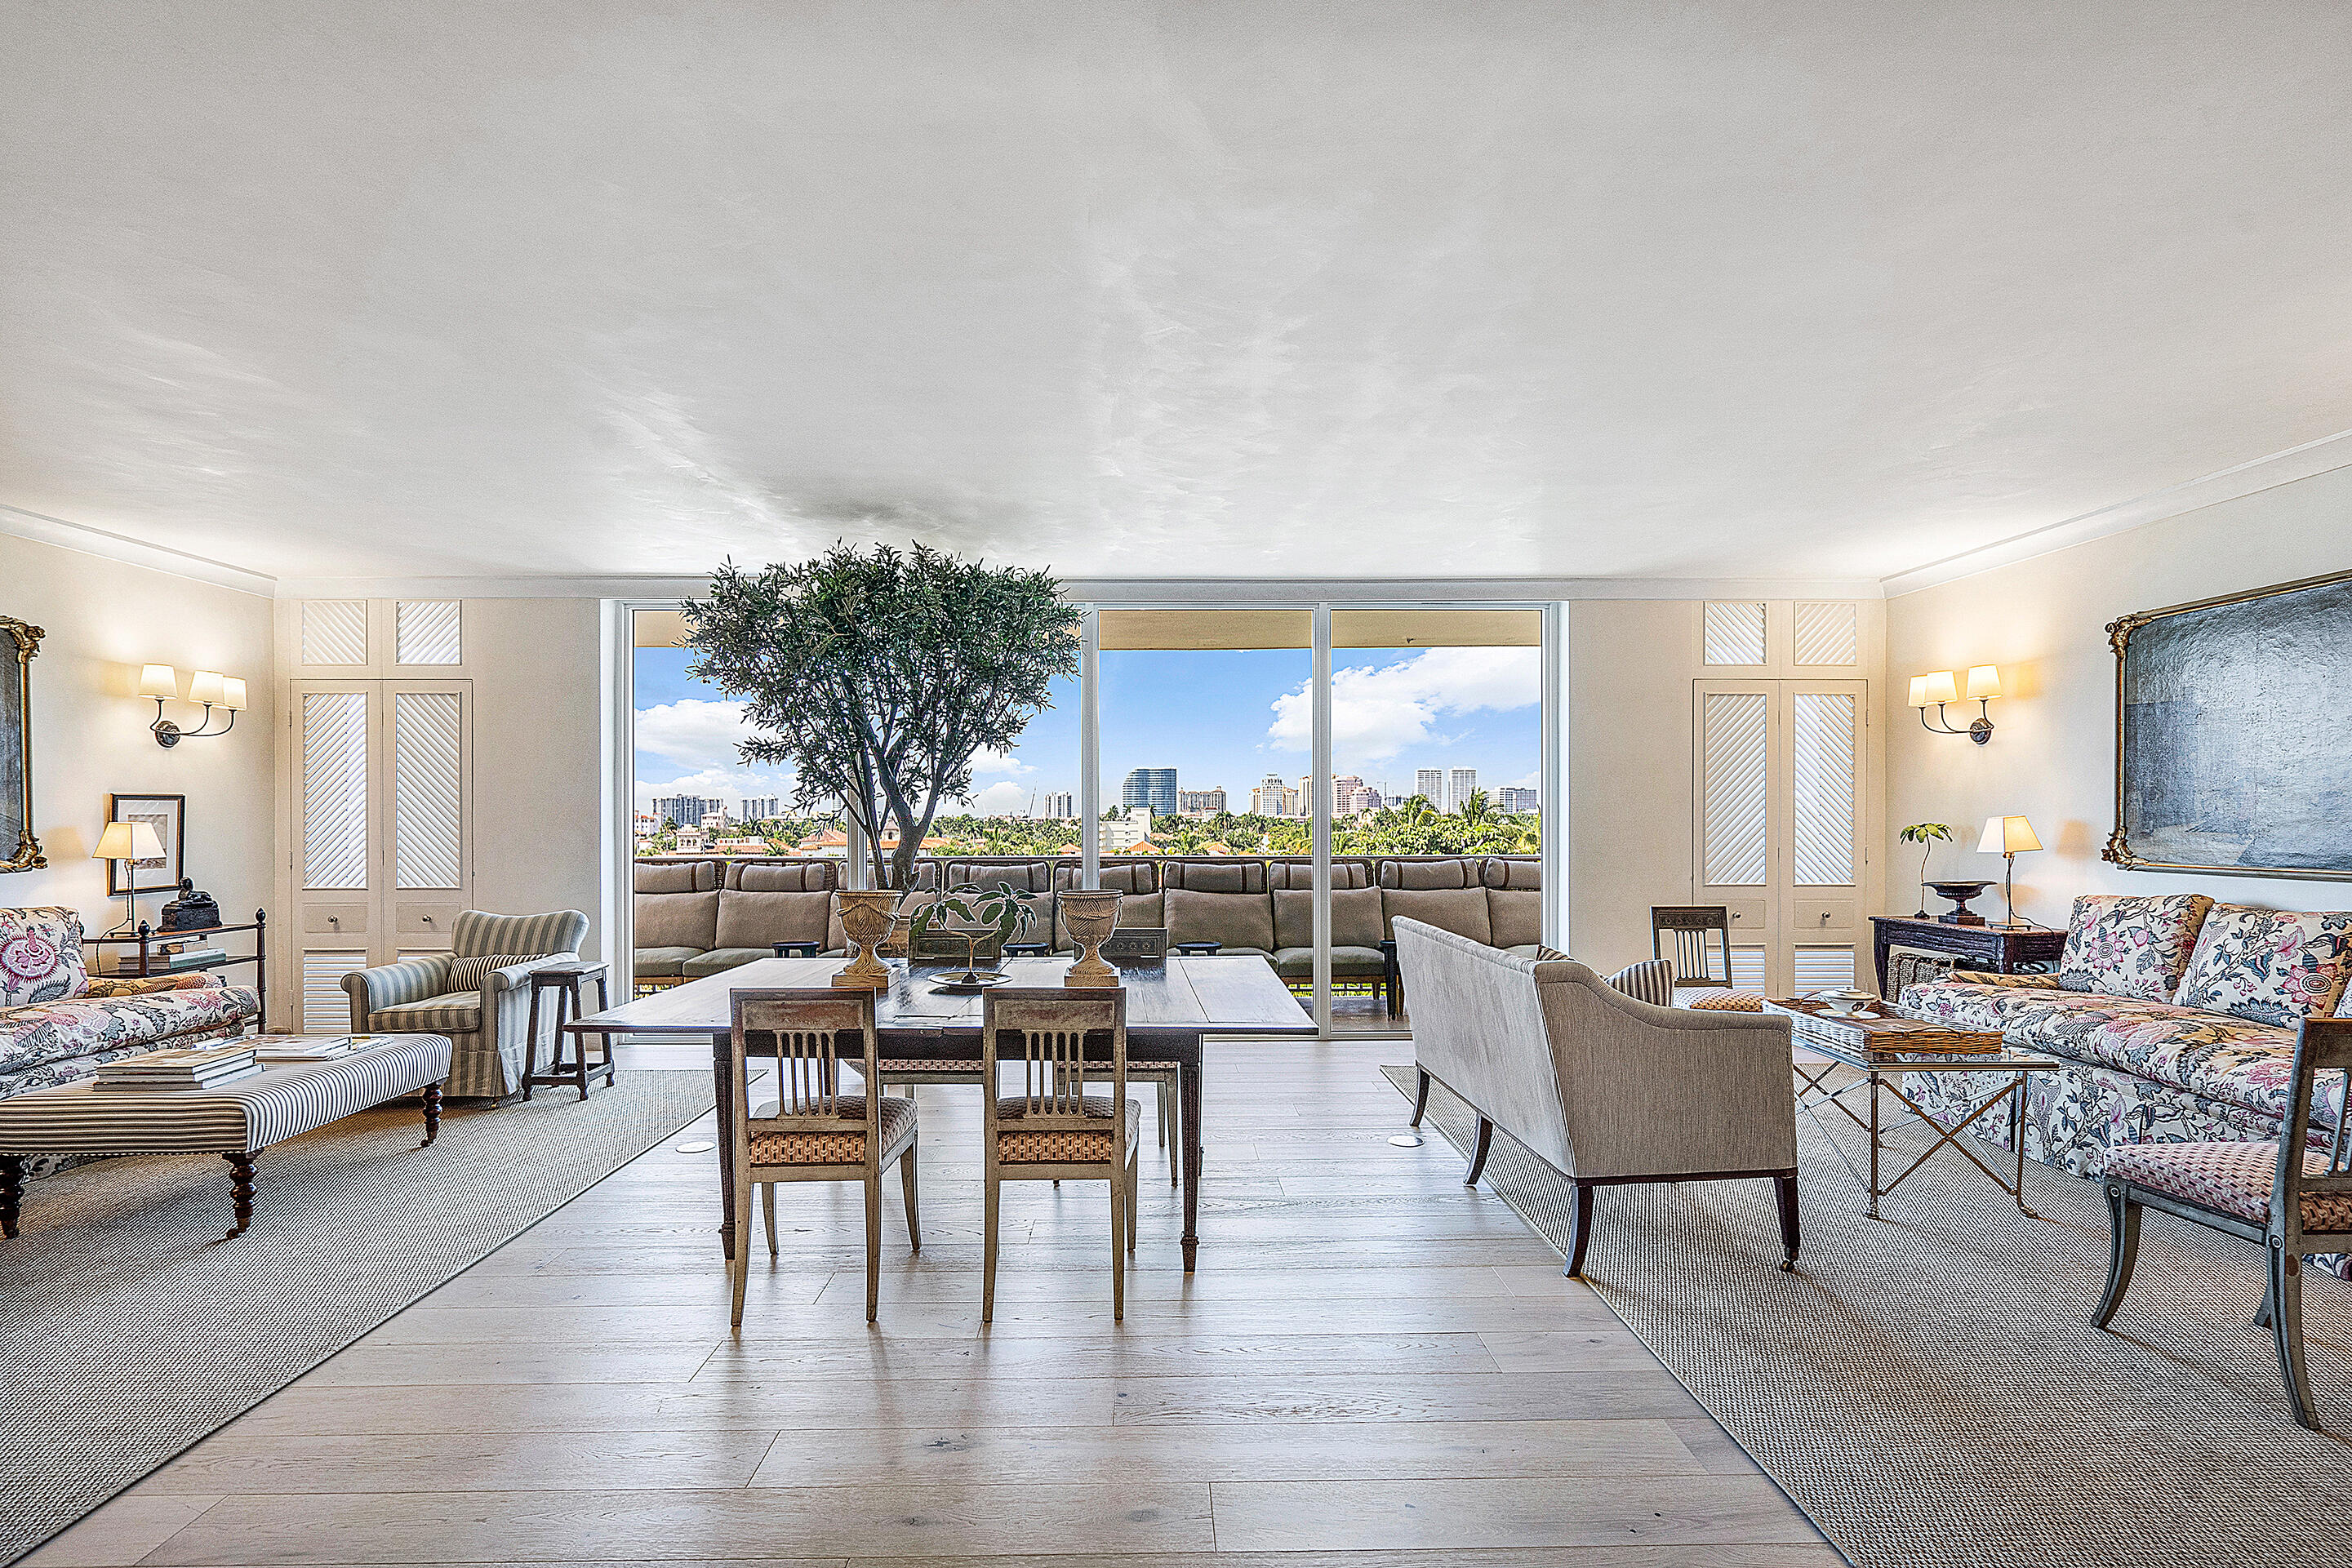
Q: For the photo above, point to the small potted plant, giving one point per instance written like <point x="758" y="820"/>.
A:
<point x="981" y="911"/>
<point x="1925" y="834"/>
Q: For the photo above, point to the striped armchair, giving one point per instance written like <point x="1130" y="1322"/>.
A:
<point x="477" y="993"/>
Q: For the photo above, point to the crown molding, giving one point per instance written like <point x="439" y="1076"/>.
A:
<point x="1137" y="590"/>
<point x="86" y="540"/>
<point x="2307" y="461"/>
<point x="573" y="587"/>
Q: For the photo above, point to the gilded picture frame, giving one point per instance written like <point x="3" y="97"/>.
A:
<point x="2228" y="758"/>
<point x="19" y="850"/>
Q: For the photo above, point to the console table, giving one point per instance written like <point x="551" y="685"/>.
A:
<point x="1988" y="949"/>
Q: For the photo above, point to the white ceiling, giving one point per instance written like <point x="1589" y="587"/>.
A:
<point x="1357" y="288"/>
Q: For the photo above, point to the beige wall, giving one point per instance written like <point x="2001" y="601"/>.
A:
<point x="2052" y="755"/>
<point x="537" y="773"/>
<point x="104" y="621"/>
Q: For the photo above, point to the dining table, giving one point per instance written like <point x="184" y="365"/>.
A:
<point x="1172" y="1006"/>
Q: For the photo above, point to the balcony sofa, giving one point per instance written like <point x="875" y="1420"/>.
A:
<point x="60" y="1023"/>
<point x="2176" y="1015"/>
<point x="699" y="917"/>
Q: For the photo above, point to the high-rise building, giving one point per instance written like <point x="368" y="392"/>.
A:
<point x="1458" y="784"/>
<point x="1114" y="836"/>
<point x="1351" y="796"/>
<point x="1273" y="798"/>
<point x="685" y="811"/>
<point x="1511" y="798"/>
<point x="1058" y="806"/>
<point x="760" y="807"/>
<point x="1429" y="783"/>
<point x="1200" y="802"/>
<point x="1151" y="788"/>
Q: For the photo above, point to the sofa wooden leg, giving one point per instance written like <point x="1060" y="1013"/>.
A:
<point x="12" y="1192"/>
<point x="2123" y="1250"/>
<point x="1420" y="1096"/>
<point x="1784" y="1188"/>
<point x="1478" y="1155"/>
<point x="1583" y="1235"/>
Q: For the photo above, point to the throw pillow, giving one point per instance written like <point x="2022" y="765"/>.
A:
<point x="2268" y="965"/>
<point x="40" y="956"/>
<point x="1652" y="980"/>
<point x="473" y="974"/>
<point x="2121" y="947"/>
<point x="1548" y="954"/>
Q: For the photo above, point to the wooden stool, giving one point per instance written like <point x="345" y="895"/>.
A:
<point x="566" y="981"/>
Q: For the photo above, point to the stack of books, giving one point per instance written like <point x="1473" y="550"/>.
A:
<point x="163" y="959"/>
<point x="164" y="1070"/>
<point x="317" y="1048"/>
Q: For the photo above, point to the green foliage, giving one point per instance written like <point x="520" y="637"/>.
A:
<point x="876" y="675"/>
<point x="979" y="910"/>
<point x="1921" y="832"/>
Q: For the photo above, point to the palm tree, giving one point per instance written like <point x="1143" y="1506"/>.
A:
<point x="1475" y="811"/>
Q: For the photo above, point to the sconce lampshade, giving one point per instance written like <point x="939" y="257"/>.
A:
<point x="232" y="693"/>
<point x="1984" y="681"/>
<point x="1918" y="691"/>
<point x="128" y="842"/>
<point x="205" y="686"/>
<point x="2007" y="836"/>
<point x="159" y="681"/>
<point x="1939" y="687"/>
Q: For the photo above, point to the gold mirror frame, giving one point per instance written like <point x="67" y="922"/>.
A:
<point x="27" y="855"/>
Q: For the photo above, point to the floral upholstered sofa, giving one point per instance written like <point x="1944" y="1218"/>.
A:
<point x="2176" y="1017"/>
<point x="59" y="1023"/>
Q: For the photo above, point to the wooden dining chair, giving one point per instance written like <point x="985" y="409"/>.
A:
<point x="1698" y="962"/>
<point x="2287" y="1198"/>
<point x="1053" y="1130"/>
<point x="812" y="1130"/>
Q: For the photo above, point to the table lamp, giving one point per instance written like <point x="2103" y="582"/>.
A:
<point x="128" y="842"/>
<point x="2007" y="837"/>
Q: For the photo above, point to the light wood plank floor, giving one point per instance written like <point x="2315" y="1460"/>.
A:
<point x="1374" y="1368"/>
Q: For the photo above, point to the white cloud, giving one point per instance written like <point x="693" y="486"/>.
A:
<point x="1378" y="712"/>
<point x="694" y="733"/>
<point x="1005" y="800"/>
<point x="985" y="762"/>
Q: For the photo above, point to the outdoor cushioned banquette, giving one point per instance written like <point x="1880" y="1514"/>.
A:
<point x="2174" y="1014"/>
<point x="60" y="1023"/>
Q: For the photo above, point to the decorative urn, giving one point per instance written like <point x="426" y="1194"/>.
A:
<point x="1091" y="915"/>
<point x="866" y="919"/>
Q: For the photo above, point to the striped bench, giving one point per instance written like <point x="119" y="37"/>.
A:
<point x="236" y="1123"/>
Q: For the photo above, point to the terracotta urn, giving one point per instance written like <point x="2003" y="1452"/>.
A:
<point x="866" y="919"/>
<point x="1091" y="916"/>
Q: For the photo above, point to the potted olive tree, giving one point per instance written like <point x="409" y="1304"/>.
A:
<point x="876" y="675"/>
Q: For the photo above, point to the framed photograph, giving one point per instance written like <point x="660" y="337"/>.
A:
<point x="168" y="815"/>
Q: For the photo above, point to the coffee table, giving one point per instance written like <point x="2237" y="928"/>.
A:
<point x="236" y="1121"/>
<point x="1885" y="1049"/>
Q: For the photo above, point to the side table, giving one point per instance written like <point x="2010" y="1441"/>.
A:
<point x="1989" y="950"/>
<point x="567" y="981"/>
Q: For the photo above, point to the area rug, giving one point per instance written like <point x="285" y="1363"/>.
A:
<point x="130" y="1330"/>
<point x="1927" y="1388"/>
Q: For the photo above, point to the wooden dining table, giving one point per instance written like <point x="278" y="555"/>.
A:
<point x="1170" y="1006"/>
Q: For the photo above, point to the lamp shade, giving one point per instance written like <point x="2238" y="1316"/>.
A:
<point x="1984" y="681"/>
<point x="1939" y="687"/>
<point x="232" y="693"/>
<point x="128" y="842"/>
<point x="205" y="686"/>
<point x="159" y="681"/>
<point x="2007" y="836"/>
<point x="1918" y="691"/>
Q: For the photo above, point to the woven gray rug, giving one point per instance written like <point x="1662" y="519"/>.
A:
<point x="128" y="1330"/>
<point x="1928" y="1389"/>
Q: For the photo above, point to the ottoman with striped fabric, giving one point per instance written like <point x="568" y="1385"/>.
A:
<point x="236" y="1121"/>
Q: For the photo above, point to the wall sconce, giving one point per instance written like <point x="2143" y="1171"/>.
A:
<point x="1935" y="690"/>
<point x="209" y="687"/>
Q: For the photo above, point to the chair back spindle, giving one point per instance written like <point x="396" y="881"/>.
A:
<point x="1697" y="961"/>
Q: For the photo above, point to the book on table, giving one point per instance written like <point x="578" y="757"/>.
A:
<point x="190" y="1068"/>
<point x="124" y="962"/>
<point x="317" y="1047"/>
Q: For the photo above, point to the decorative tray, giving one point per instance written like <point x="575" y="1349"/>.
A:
<point x="967" y="984"/>
<point x="1885" y="1034"/>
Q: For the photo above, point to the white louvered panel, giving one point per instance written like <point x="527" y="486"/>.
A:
<point x="1822" y="801"/>
<point x="334" y="631"/>
<point x="427" y="828"/>
<point x="1747" y="969"/>
<point x="326" y="1009"/>
<point x="334" y="789"/>
<point x="1734" y="832"/>
<point x="1828" y="634"/>
<point x="428" y="632"/>
<point x="1823" y="968"/>
<point x="1735" y="632"/>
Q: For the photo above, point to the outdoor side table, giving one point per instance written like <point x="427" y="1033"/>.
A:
<point x="1195" y="949"/>
<point x="568" y="982"/>
<point x="799" y="950"/>
<point x="1887" y="1049"/>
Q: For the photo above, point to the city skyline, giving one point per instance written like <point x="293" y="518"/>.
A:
<point x="1222" y="719"/>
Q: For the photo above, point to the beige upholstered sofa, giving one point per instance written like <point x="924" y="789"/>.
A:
<point x="1605" y="1089"/>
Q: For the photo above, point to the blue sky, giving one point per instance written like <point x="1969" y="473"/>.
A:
<point x="1218" y="718"/>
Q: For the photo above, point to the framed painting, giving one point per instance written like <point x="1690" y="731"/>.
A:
<point x="168" y="815"/>
<point x="19" y="850"/>
<point x="2230" y="758"/>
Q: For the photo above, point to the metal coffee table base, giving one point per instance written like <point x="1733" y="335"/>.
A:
<point x="1814" y="1092"/>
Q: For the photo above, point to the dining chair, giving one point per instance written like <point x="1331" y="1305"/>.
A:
<point x="2287" y="1198"/>
<point x="1053" y="1130"/>
<point x="1699" y="965"/>
<point x="812" y="1131"/>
